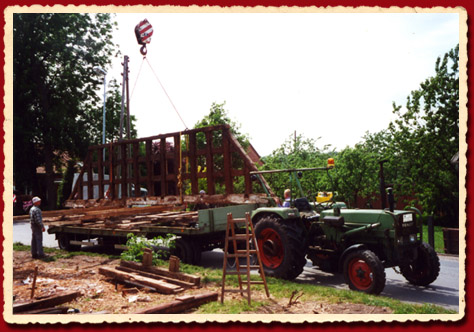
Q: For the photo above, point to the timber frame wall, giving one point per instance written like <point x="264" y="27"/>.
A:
<point x="210" y="153"/>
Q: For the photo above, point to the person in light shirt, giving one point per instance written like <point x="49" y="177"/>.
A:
<point x="37" y="229"/>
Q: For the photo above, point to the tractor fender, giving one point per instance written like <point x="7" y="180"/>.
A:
<point x="280" y="213"/>
<point x="347" y="251"/>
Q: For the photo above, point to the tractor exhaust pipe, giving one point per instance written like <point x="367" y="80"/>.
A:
<point x="391" y="200"/>
<point x="383" y="194"/>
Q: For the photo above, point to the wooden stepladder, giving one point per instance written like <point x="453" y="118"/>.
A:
<point x="234" y="238"/>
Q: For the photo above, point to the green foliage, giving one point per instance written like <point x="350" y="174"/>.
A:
<point x="218" y="115"/>
<point x="299" y="152"/>
<point x="425" y="139"/>
<point x="356" y="174"/>
<point x="57" y="104"/>
<point x="137" y="244"/>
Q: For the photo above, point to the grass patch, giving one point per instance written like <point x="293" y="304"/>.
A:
<point x="279" y="289"/>
<point x="55" y="254"/>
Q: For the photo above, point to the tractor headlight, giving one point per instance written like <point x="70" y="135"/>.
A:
<point x="412" y="238"/>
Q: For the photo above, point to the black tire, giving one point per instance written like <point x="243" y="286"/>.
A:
<point x="197" y="252"/>
<point x="364" y="272"/>
<point x="64" y="243"/>
<point x="183" y="250"/>
<point x="282" y="247"/>
<point x="424" y="269"/>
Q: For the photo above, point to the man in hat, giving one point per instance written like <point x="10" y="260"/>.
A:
<point x="37" y="228"/>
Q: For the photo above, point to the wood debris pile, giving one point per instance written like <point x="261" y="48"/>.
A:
<point x="94" y="285"/>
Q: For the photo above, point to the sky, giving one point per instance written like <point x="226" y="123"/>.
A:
<point x="327" y="76"/>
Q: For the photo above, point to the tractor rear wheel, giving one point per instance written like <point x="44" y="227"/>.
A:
<point x="364" y="272"/>
<point x="424" y="269"/>
<point x="282" y="247"/>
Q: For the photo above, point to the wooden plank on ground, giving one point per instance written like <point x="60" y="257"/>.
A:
<point x="160" y="285"/>
<point x="181" y="304"/>
<point x="46" y="303"/>
<point x="178" y="282"/>
<point x="193" y="279"/>
<point x="46" y="311"/>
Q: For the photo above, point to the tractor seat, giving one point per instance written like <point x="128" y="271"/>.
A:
<point x="302" y="204"/>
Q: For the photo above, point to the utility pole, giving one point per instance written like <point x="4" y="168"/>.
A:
<point x="125" y="96"/>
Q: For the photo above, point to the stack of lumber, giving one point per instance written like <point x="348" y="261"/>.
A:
<point x="159" y="279"/>
<point x="120" y="218"/>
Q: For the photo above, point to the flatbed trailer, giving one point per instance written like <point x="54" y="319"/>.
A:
<point x="196" y="231"/>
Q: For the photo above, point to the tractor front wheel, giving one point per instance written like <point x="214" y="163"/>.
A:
<point x="424" y="269"/>
<point x="364" y="272"/>
<point x="282" y="247"/>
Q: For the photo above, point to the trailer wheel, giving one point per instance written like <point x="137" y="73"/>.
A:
<point x="197" y="252"/>
<point x="424" y="269"/>
<point x="184" y="250"/>
<point x="282" y="247"/>
<point x="364" y="272"/>
<point x="64" y="243"/>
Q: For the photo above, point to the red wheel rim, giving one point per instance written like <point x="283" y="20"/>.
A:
<point x="271" y="248"/>
<point x="360" y="274"/>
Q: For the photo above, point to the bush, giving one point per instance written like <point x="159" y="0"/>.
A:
<point x="136" y="245"/>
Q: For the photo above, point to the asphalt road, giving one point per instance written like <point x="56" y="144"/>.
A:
<point x="443" y="292"/>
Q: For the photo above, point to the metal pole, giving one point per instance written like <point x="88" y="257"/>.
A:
<point x="431" y="231"/>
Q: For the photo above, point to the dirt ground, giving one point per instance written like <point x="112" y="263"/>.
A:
<point x="102" y="295"/>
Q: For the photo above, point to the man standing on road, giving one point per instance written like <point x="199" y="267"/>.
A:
<point x="37" y="228"/>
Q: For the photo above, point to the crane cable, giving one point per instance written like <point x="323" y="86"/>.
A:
<point x="166" y="93"/>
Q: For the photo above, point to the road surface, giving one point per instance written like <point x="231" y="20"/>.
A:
<point x="444" y="291"/>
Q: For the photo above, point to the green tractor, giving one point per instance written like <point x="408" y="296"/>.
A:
<point x="360" y="243"/>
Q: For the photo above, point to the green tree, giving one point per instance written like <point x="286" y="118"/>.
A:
<point x="426" y="137"/>
<point x="299" y="152"/>
<point x="55" y="96"/>
<point x="113" y="108"/>
<point x="356" y="174"/>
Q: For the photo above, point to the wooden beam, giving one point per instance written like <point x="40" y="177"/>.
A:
<point x="136" y="170"/>
<point x="46" y="311"/>
<point x="181" y="304"/>
<point x="193" y="163"/>
<point x="100" y="166"/>
<point x="46" y="303"/>
<point x="112" y="171"/>
<point x="178" y="282"/>
<point x="189" y="278"/>
<point x="160" y="285"/>
<point x="229" y="186"/>
<point x="123" y="171"/>
<point x="177" y="161"/>
<point x="90" y="173"/>
<point x="163" y="167"/>
<point x="211" y="189"/>
<point x="149" y="168"/>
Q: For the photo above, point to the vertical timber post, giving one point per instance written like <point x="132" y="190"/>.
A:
<point x="211" y="190"/>
<point x="431" y="239"/>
